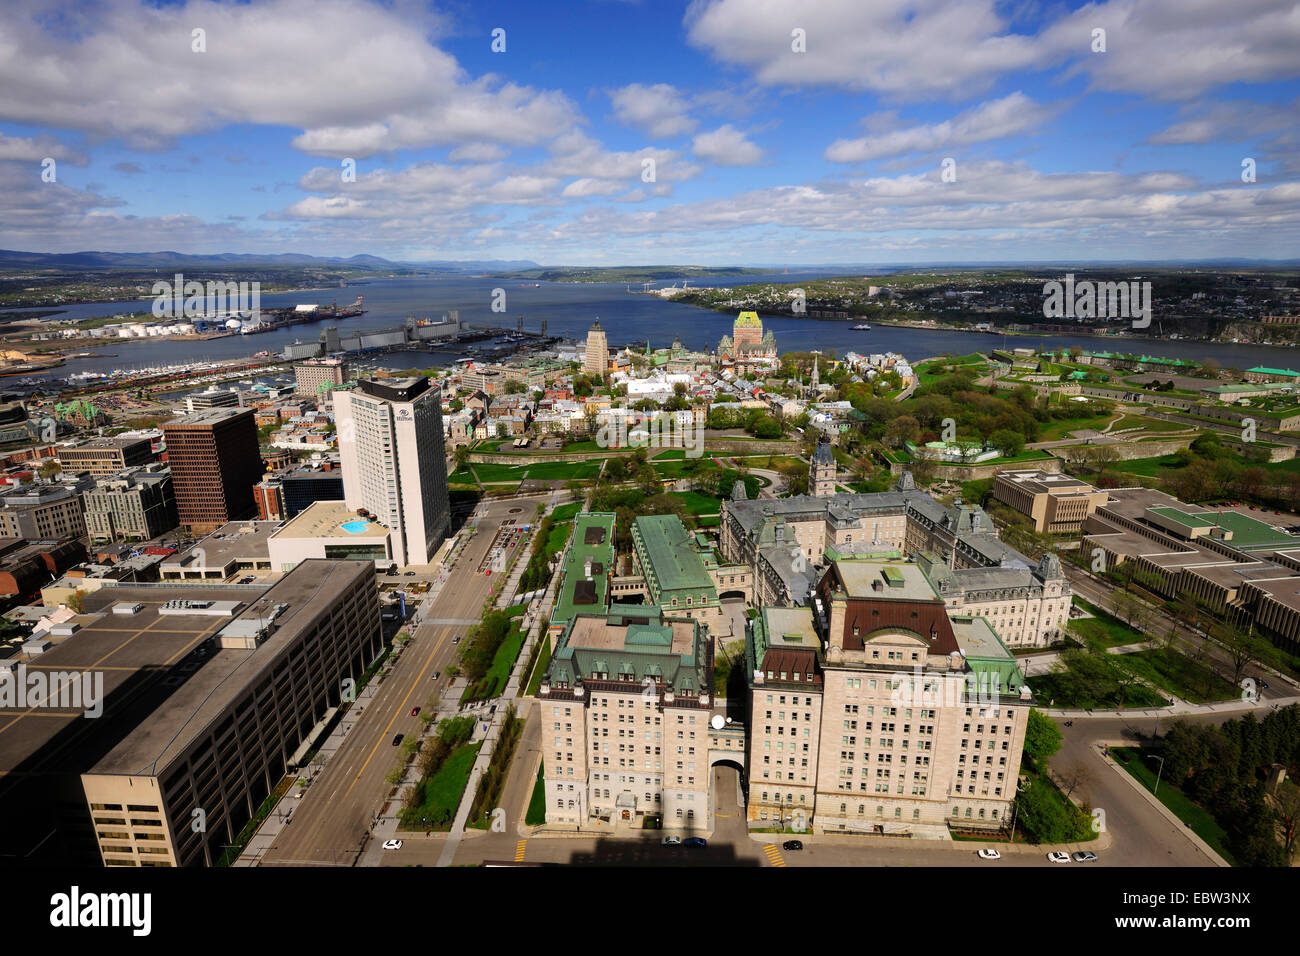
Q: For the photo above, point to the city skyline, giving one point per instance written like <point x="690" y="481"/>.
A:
<point x="716" y="132"/>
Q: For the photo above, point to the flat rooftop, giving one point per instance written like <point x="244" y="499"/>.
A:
<point x="236" y="541"/>
<point x="330" y="519"/>
<point x="897" y="580"/>
<point x="308" y="591"/>
<point x="1042" y="482"/>
<point x="791" y="627"/>
<point x="128" y="650"/>
<point x="206" y="417"/>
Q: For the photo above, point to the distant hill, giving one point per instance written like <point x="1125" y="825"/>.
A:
<point x="109" y="261"/>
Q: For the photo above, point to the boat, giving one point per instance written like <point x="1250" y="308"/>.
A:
<point x="862" y="328"/>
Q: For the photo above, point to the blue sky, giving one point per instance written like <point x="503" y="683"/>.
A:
<point x="612" y="132"/>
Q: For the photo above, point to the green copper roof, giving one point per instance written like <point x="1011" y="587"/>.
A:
<point x="669" y="554"/>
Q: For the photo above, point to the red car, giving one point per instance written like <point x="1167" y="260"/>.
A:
<point x="415" y="711"/>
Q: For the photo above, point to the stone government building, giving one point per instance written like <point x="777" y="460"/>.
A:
<point x="785" y="541"/>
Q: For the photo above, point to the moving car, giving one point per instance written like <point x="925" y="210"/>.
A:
<point x="989" y="855"/>
<point x="792" y="845"/>
<point x="1263" y="684"/>
<point x="397" y="739"/>
<point x="699" y="842"/>
<point x="392" y="844"/>
<point x="1085" y="856"/>
<point x="1058" y="856"/>
<point x="671" y="841"/>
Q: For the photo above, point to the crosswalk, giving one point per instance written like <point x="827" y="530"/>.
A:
<point x="519" y="850"/>
<point x="773" y="855"/>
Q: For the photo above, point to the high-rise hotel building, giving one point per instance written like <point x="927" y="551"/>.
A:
<point x="394" y="464"/>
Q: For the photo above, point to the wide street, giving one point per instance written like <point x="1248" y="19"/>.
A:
<point x="333" y="818"/>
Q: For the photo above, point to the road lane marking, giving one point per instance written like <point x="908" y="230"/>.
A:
<point x="773" y="855"/>
<point x="519" y="850"/>
<point x="397" y="713"/>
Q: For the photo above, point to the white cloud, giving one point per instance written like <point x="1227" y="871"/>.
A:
<point x="356" y="76"/>
<point x="659" y="110"/>
<point x="34" y="149"/>
<point x="909" y="48"/>
<point x="727" y="146"/>
<point x="912" y="49"/>
<point x="995" y="119"/>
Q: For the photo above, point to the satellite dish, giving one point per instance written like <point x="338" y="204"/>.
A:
<point x="717" y="722"/>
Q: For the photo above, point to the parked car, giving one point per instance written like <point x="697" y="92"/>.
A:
<point x="699" y="842"/>
<point x="415" y="711"/>
<point x="397" y="739"/>
<point x="392" y="844"/>
<point x="1058" y="856"/>
<point x="1263" y="684"/>
<point x="989" y="855"/>
<point x="436" y="675"/>
<point x="1086" y="856"/>
<point x="792" y="845"/>
<point x="671" y="841"/>
<point x="410" y="574"/>
<point x="456" y="640"/>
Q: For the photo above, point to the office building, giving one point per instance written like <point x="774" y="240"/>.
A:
<point x="788" y="543"/>
<point x="394" y="464"/>
<point x="215" y="462"/>
<point x="625" y="706"/>
<point x="319" y="376"/>
<point x="212" y="397"/>
<point x="874" y="711"/>
<point x="41" y="512"/>
<point x="135" y="505"/>
<point x="207" y="695"/>
<point x="106" y="456"/>
<point x="596" y="361"/>
<point x="284" y="495"/>
<point x="1057" y="504"/>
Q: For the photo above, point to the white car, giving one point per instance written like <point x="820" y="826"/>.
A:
<point x="990" y="855"/>
<point x="1058" y="856"/>
<point x="671" y="841"/>
<point x="392" y="844"/>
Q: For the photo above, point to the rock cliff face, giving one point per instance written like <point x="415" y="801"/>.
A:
<point x="1257" y="333"/>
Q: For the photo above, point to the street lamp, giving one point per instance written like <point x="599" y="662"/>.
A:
<point x="1158" y="773"/>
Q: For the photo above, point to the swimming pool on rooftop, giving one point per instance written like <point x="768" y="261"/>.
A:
<point x="355" y="527"/>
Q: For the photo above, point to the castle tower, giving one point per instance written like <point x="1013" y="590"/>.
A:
<point x="821" y="472"/>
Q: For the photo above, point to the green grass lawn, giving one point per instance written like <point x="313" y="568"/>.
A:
<point x="536" y="814"/>
<point x="1144" y="770"/>
<point x="1149" y="424"/>
<point x="504" y="661"/>
<point x="699" y="504"/>
<point x="564" y="470"/>
<point x="1179" y="674"/>
<point x="1148" y="467"/>
<point x="1104" y="628"/>
<point x="491" y="474"/>
<point x="566" y="512"/>
<point x="1061" y="427"/>
<point x="543" y="661"/>
<point x="442" y="792"/>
